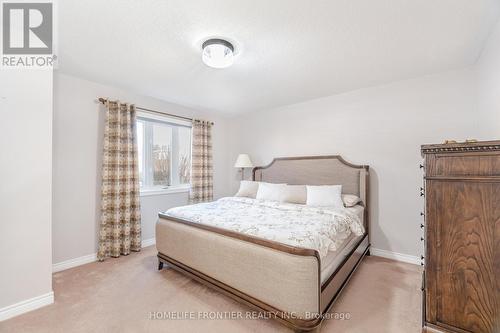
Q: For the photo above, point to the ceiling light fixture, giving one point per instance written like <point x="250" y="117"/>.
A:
<point x="217" y="53"/>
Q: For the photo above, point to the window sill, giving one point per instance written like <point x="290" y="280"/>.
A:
<point x="163" y="191"/>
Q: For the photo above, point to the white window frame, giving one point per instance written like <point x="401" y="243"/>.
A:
<point x="174" y="187"/>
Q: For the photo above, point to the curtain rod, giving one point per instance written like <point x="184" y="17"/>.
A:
<point x="103" y="101"/>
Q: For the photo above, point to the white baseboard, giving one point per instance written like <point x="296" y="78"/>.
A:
<point x="395" y="256"/>
<point x="148" y="242"/>
<point x="61" y="266"/>
<point x="26" y="306"/>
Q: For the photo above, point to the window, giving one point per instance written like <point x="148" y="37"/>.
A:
<point x="164" y="148"/>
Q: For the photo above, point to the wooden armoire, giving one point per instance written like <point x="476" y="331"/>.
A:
<point x="461" y="281"/>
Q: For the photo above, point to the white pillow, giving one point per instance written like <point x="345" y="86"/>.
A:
<point x="248" y="189"/>
<point x="324" y="196"/>
<point x="350" y="200"/>
<point x="272" y="192"/>
<point x="295" y="194"/>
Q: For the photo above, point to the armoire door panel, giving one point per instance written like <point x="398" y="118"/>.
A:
<point x="463" y="253"/>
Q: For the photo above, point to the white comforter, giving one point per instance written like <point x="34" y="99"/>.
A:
<point x="320" y="229"/>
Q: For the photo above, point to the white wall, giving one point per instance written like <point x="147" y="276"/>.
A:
<point x="488" y="68"/>
<point x="78" y="133"/>
<point x="383" y="127"/>
<point x="25" y="190"/>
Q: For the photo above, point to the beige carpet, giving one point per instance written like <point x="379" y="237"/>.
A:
<point x="120" y="295"/>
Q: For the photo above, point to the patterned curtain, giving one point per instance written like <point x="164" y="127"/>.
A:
<point x="201" y="162"/>
<point x="120" y="230"/>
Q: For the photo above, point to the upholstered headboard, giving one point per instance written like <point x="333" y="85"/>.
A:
<point x="317" y="170"/>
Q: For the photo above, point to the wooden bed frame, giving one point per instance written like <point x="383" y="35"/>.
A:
<point x="330" y="289"/>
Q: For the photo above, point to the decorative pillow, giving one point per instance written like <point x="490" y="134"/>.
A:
<point x="350" y="200"/>
<point x="324" y="196"/>
<point x="248" y="189"/>
<point x="295" y="194"/>
<point x="272" y="192"/>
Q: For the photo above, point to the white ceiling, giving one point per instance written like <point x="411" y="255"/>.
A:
<point x="289" y="50"/>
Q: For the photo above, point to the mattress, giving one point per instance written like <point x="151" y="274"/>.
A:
<point x="318" y="228"/>
<point x="334" y="258"/>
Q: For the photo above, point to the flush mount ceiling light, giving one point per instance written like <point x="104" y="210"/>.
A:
<point x="217" y="53"/>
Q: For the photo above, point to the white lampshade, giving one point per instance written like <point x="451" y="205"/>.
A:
<point x="243" y="161"/>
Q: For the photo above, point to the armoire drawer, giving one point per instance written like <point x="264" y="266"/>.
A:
<point x="479" y="164"/>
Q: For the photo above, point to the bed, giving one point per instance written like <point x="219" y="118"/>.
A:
<point x="296" y="285"/>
